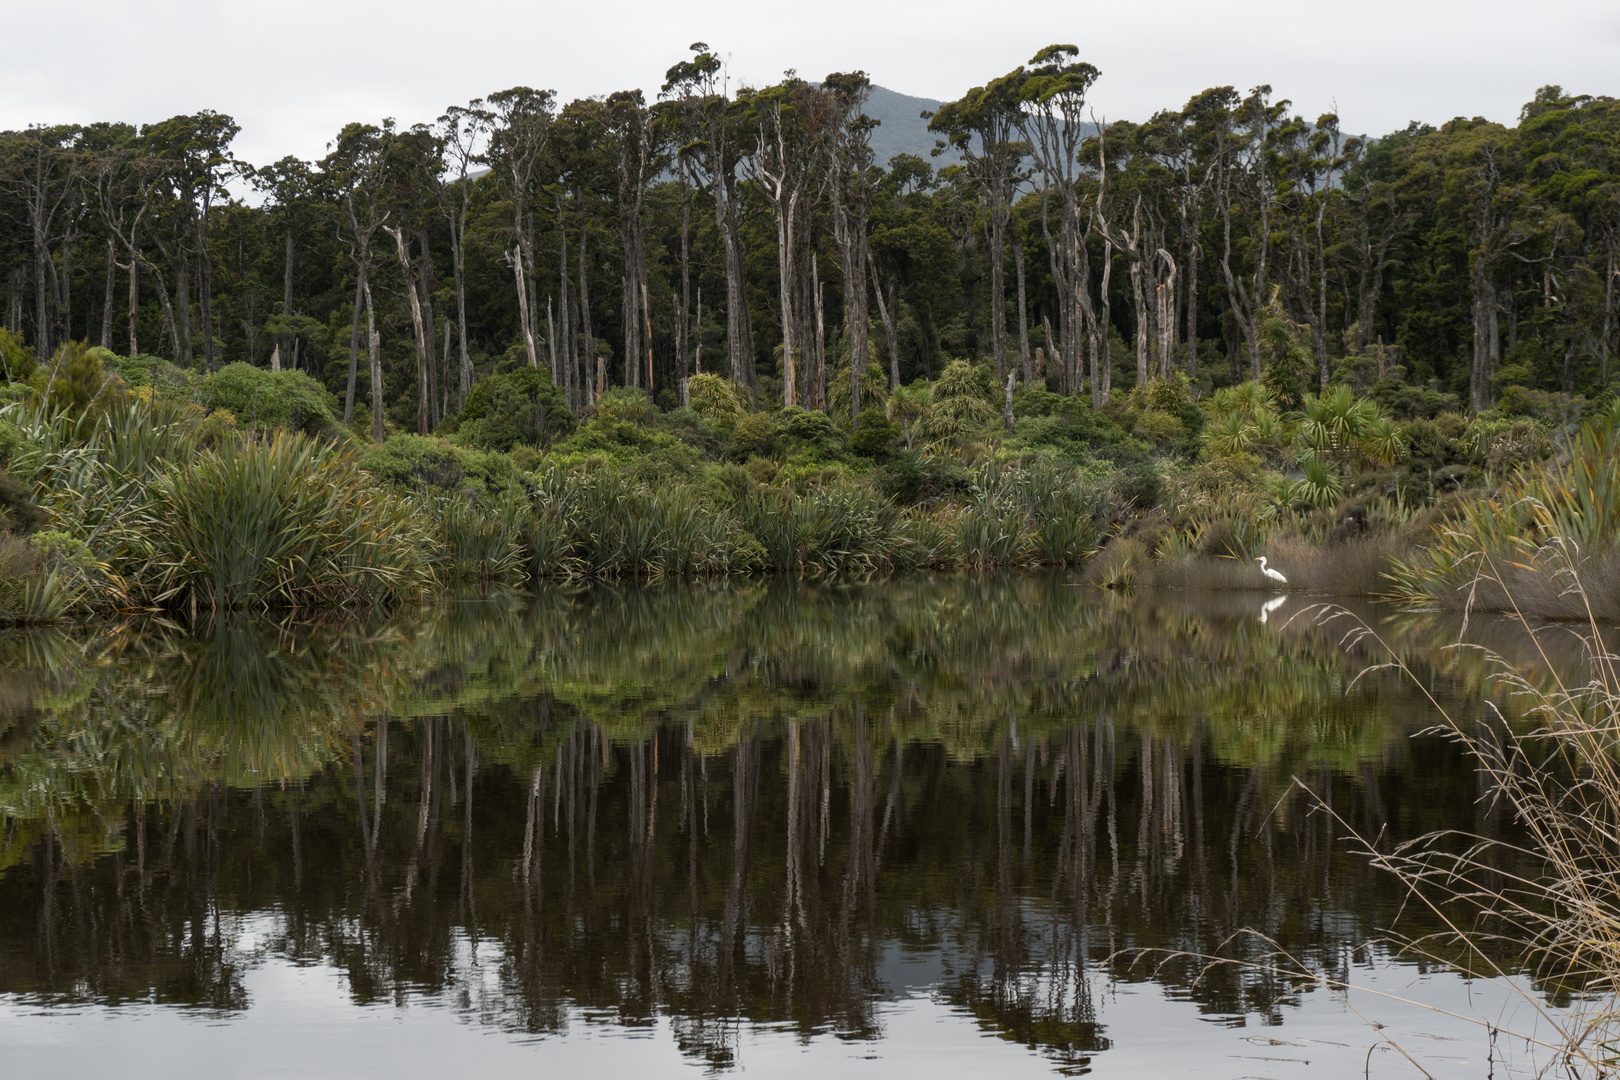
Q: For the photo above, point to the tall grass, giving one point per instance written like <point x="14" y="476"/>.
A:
<point x="1526" y="549"/>
<point x="1550" y="756"/>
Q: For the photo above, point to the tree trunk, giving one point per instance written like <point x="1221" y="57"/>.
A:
<point x="785" y="212"/>
<point x="354" y="346"/>
<point x="112" y="293"/>
<point x="551" y="343"/>
<point x="515" y="257"/>
<point x="891" y="333"/>
<point x="1166" y="295"/>
<point x="375" y="340"/>
<point x="821" y="338"/>
<point x="586" y="333"/>
<point x="998" y="288"/>
<point x="182" y="302"/>
<point x="1023" y="311"/>
<point x="423" y="390"/>
<point x="134" y="301"/>
<point x="1105" y="323"/>
<point x="683" y="343"/>
<point x="205" y="289"/>
<point x="424" y="276"/>
<point x="565" y="332"/>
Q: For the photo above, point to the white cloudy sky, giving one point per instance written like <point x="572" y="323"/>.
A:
<point x="293" y="71"/>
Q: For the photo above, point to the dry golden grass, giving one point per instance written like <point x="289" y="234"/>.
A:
<point x="1353" y="568"/>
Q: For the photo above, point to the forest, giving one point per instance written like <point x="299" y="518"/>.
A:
<point x="617" y="337"/>
<point x="636" y="238"/>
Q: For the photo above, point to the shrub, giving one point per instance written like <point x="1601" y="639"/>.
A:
<point x="874" y="436"/>
<point x="18" y="511"/>
<point x="754" y="435"/>
<point x="412" y="461"/>
<point x="960" y="405"/>
<point x="626" y="403"/>
<point x="147" y="370"/>
<point x="283" y="523"/>
<point x="260" y="398"/>
<point x="811" y="436"/>
<point x="16" y="358"/>
<point x="901" y="478"/>
<point x="32" y="588"/>
<point x="715" y="400"/>
<point x="518" y="407"/>
<point x="74" y="379"/>
<point x="1139" y="485"/>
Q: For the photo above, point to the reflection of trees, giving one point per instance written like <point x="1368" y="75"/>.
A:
<point x="765" y="883"/>
<point x="709" y="803"/>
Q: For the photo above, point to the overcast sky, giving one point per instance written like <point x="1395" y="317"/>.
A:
<point x="293" y="71"/>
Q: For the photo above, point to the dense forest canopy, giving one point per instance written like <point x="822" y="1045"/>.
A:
<point x="637" y="238"/>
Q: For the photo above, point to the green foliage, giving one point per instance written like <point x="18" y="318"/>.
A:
<point x="33" y="589"/>
<point x="754" y="435"/>
<point x="288" y="522"/>
<point x="628" y="404"/>
<point x="874" y="436"/>
<point x="961" y="404"/>
<point x="874" y="388"/>
<point x="74" y="379"/>
<point x="1139" y="485"/>
<point x="1286" y="359"/>
<point x="1525" y="547"/>
<point x="261" y="398"/>
<point x="521" y="407"/>
<point x="1319" y="487"/>
<point x="17" y="362"/>
<point x="18" y="511"/>
<point x="810" y="436"/>
<point x="415" y="462"/>
<point x="715" y="400"/>
<point x="153" y="371"/>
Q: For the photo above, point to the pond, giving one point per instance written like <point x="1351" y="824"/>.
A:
<point x="930" y="824"/>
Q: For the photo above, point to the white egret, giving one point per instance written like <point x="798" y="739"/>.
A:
<point x="1271" y="605"/>
<point x="1274" y="575"/>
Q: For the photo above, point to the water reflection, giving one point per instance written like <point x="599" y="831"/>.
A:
<point x="715" y="807"/>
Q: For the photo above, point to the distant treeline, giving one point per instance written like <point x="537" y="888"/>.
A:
<point x="635" y="239"/>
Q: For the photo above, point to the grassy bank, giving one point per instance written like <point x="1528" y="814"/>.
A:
<point x="129" y="483"/>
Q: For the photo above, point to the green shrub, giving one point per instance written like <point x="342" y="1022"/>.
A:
<point x="73" y="379"/>
<point x="961" y="404"/>
<point x="901" y="478"/>
<point x="18" y="511"/>
<point x="1139" y="485"/>
<point x="261" y="398"/>
<point x="518" y="407"/>
<point x="874" y="436"/>
<point x="715" y="400"/>
<point x="627" y="403"/>
<point x="147" y="370"/>
<point x="754" y="435"/>
<point x="810" y="436"/>
<point x="412" y="461"/>
<point x="16" y="359"/>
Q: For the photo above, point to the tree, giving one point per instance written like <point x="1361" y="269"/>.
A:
<point x="354" y="169"/>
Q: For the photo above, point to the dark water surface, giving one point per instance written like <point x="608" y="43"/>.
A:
<point x="755" y="827"/>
